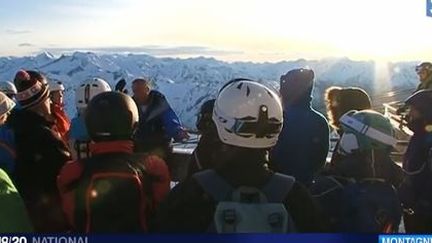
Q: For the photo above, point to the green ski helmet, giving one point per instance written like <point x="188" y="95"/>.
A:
<point x="365" y="130"/>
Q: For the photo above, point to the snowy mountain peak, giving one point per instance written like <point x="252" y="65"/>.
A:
<point x="45" y="55"/>
<point x="187" y="83"/>
<point x="44" y="58"/>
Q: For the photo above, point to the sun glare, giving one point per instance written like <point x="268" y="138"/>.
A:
<point x="254" y="30"/>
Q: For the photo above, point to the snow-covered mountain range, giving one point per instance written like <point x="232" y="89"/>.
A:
<point x="187" y="83"/>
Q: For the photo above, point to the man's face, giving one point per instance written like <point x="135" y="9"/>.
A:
<point x="45" y="107"/>
<point x="423" y="74"/>
<point x="57" y="97"/>
<point x="141" y="91"/>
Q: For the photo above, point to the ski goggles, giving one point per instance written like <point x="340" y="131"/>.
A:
<point x="260" y="127"/>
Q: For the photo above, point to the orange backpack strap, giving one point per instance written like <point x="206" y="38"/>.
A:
<point x="67" y="181"/>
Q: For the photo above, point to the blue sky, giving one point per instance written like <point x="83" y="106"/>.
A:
<point x="257" y="30"/>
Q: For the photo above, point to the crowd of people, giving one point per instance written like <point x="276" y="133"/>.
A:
<point x="261" y="163"/>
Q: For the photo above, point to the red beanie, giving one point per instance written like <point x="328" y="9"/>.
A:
<point x="31" y="88"/>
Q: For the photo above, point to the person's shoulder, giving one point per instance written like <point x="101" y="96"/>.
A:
<point x="319" y="118"/>
<point x="16" y="117"/>
<point x="78" y="129"/>
<point x="153" y="164"/>
<point x="77" y="119"/>
<point x="189" y="190"/>
<point x="318" y="115"/>
<point x="157" y="99"/>
<point x="298" y="195"/>
<point x="155" y="94"/>
<point x="7" y="135"/>
<point x="298" y="188"/>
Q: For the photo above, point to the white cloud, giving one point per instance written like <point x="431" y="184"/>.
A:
<point x="154" y="50"/>
<point x="25" y="45"/>
<point x="17" y="31"/>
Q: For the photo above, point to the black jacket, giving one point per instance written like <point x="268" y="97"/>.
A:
<point x="203" y="157"/>
<point x="415" y="191"/>
<point x="41" y="154"/>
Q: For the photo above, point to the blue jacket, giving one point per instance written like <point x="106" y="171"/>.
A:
<point x="78" y="129"/>
<point x="303" y="144"/>
<point x="7" y="149"/>
<point x="158" y="124"/>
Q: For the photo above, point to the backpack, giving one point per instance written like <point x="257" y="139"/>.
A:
<point x="82" y="149"/>
<point x="113" y="195"/>
<point x="368" y="205"/>
<point x="248" y="209"/>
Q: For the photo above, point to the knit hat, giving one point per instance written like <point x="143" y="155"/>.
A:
<point x="32" y="88"/>
<point x="297" y="85"/>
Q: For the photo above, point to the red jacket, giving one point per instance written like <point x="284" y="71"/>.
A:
<point x="71" y="173"/>
<point x="62" y="122"/>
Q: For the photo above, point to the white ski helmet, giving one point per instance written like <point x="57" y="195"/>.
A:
<point x="6" y="104"/>
<point x="56" y="86"/>
<point x="8" y="88"/>
<point x="89" y="89"/>
<point x="248" y="114"/>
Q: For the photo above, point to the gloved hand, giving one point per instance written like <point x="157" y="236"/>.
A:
<point x="401" y="109"/>
<point x="182" y="136"/>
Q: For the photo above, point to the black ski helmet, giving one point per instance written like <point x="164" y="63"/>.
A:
<point x="111" y="116"/>
<point x="422" y="101"/>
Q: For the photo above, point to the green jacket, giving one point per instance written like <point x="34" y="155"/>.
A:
<point x="13" y="213"/>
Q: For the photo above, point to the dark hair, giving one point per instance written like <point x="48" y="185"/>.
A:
<point x="341" y="100"/>
<point x="204" y="120"/>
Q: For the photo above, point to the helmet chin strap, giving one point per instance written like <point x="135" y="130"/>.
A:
<point x="373" y="163"/>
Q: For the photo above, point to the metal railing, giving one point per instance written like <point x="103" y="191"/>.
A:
<point x="391" y="111"/>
